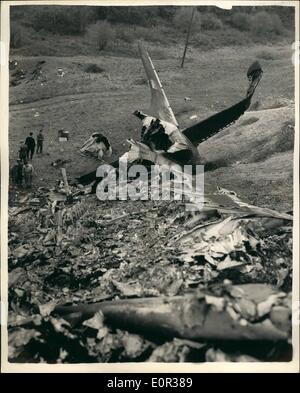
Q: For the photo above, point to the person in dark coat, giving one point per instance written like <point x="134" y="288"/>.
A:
<point x="17" y="173"/>
<point x="23" y="152"/>
<point x="30" y="142"/>
<point x="40" y="142"/>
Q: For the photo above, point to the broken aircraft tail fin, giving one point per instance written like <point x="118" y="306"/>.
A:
<point x="160" y="107"/>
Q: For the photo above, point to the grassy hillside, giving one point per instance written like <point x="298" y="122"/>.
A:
<point x="73" y="31"/>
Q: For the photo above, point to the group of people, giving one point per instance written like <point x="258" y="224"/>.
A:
<point x="27" y="148"/>
<point x="23" y="171"/>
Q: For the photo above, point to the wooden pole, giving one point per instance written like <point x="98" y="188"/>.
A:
<point x="187" y="37"/>
<point x="65" y="179"/>
<point x="59" y="228"/>
<point x="64" y="175"/>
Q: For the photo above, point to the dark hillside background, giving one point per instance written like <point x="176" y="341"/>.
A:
<point x="116" y="29"/>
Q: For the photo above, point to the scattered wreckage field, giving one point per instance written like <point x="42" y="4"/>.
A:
<point x="93" y="281"/>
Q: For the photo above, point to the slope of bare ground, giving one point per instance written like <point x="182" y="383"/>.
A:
<point x="255" y="156"/>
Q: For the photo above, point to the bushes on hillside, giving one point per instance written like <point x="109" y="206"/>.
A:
<point x="211" y="27"/>
<point x="210" y="22"/>
<point x="241" y="21"/>
<point x="259" y="23"/>
<point x="182" y="19"/>
<point x="125" y="33"/>
<point x="141" y="16"/>
<point x="101" y="34"/>
<point x="264" y="23"/>
<point x="166" y="12"/>
<point x="16" y="36"/>
<point x="129" y="33"/>
<point x="136" y="15"/>
<point x="62" y="19"/>
<point x="93" y="68"/>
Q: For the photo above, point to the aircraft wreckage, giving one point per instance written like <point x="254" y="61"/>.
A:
<point x="215" y="262"/>
<point x="162" y="141"/>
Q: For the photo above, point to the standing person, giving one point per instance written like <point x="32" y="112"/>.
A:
<point x="23" y="151"/>
<point x="27" y="174"/>
<point x="40" y="141"/>
<point x="17" y="173"/>
<point x="30" y="142"/>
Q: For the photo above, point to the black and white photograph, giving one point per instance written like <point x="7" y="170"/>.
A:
<point x="149" y="180"/>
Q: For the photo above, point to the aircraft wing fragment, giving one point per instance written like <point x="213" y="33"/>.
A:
<point x="212" y="125"/>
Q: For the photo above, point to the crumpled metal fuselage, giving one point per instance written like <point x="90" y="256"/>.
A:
<point x="95" y="147"/>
